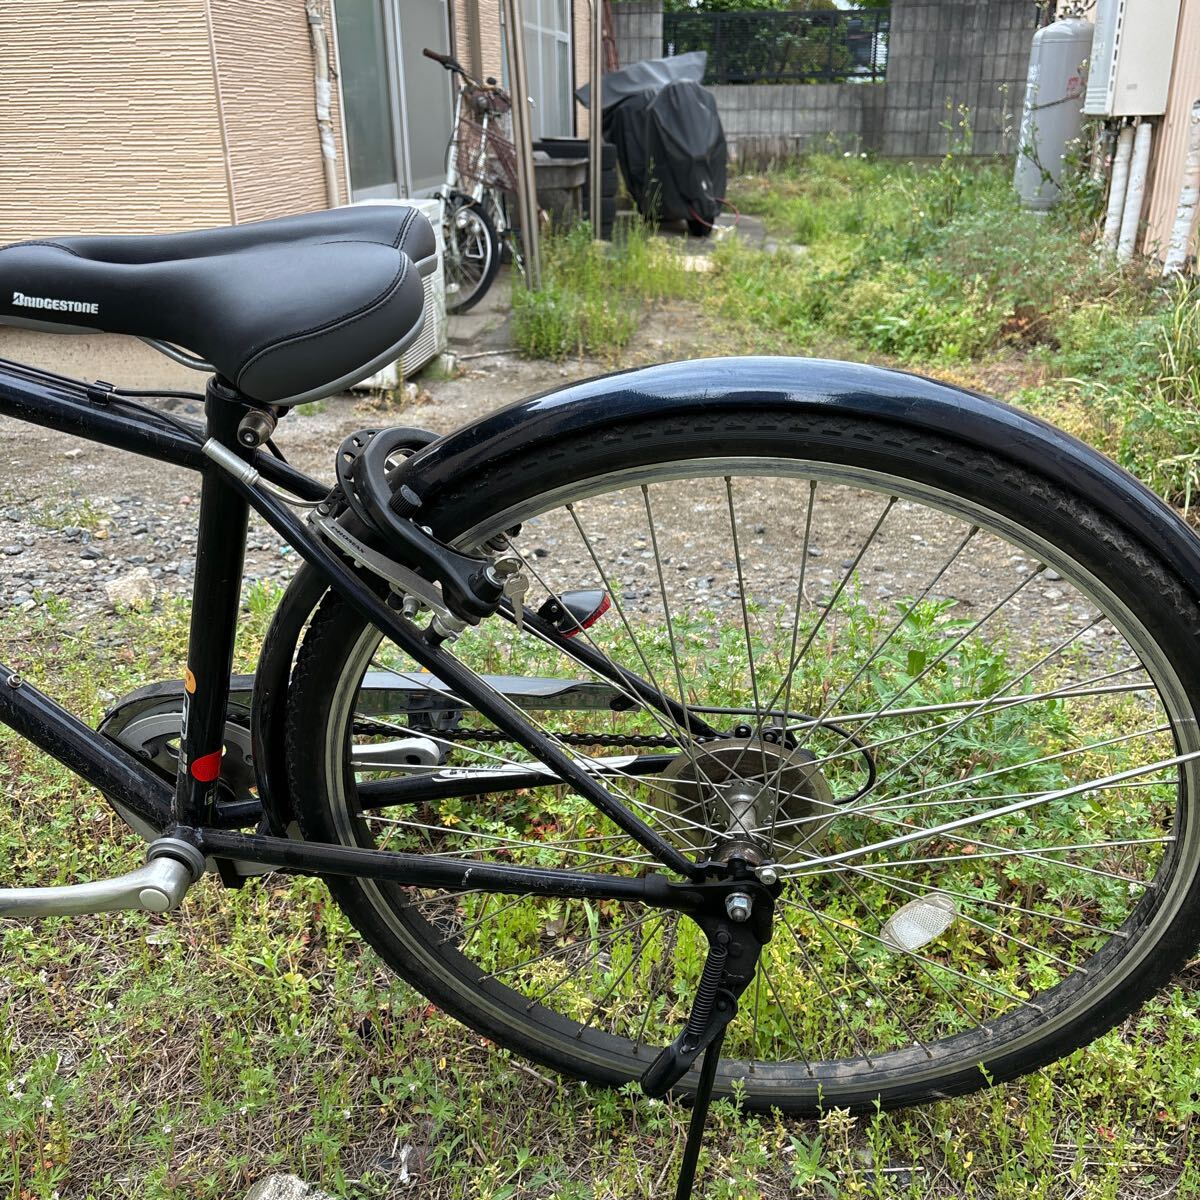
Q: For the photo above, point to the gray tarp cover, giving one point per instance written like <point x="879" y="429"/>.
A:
<point x="648" y="76"/>
<point x="668" y="136"/>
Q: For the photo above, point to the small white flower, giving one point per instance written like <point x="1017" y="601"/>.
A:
<point x="345" y="1114"/>
<point x="244" y="1109"/>
<point x="168" y="1129"/>
<point x="48" y="1103"/>
<point x="846" y="154"/>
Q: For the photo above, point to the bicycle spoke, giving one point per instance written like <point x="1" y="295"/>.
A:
<point x="741" y="582"/>
<point x="790" y="675"/>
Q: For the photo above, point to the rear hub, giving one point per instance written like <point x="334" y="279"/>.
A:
<point x="766" y="801"/>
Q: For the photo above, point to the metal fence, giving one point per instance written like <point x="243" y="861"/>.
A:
<point x="782" y="46"/>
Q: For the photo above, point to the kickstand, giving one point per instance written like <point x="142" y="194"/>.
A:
<point x="691" y="1151"/>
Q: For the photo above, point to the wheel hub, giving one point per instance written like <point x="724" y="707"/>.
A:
<point x="755" y="793"/>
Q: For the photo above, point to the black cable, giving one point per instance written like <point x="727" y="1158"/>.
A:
<point x="120" y="399"/>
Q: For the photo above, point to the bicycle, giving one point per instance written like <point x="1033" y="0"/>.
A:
<point x="481" y="166"/>
<point x="590" y="735"/>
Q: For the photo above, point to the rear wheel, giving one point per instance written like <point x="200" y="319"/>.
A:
<point x="890" y="633"/>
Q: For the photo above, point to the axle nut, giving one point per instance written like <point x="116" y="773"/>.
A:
<point x="738" y="906"/>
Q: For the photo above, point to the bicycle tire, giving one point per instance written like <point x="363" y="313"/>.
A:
<point x="1161" y="605"/>
<point x="463" y="300"/>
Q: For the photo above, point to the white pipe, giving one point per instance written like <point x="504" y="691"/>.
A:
<point x="1135" y="193"/>
<point x="1189" y="199"/>
<point x="1116" y="188"/>
<point x="323" y="89"/>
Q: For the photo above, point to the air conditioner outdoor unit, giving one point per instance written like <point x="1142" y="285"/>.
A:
<point x="432" y="340"/>
<point x="1132" y="50"/>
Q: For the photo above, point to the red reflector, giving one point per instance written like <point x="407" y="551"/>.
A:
<point x="206" y="769"/>
<point x="592" y="617"/>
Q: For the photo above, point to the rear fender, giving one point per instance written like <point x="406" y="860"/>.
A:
<point x="799" y="390"/>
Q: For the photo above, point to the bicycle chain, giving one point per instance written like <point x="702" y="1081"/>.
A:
<point x="609" y="740"/>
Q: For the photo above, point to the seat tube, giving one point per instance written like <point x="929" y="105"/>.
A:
<point x="216" y="601"/>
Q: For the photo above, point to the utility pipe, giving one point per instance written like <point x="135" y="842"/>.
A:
<point x="1135" y="193"/>
<point x="323" y="89"/>
<point x="596" y="124"/>
<point x="527" y="207"/>
<point x="1117" y="187"/>
<point x="1189" y="199"/>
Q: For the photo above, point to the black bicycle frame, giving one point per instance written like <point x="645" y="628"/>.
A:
<point x="96" y="413"/>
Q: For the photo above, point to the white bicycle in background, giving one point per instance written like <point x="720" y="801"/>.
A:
<point x="481" y="165"/>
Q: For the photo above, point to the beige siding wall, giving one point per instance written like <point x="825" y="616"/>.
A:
<point x="491" y="44"/>
<point x="1172" y="132"/>
<point x="267" y="102"/>
<point x="581" y="23"/>
<point x="109" y="119"/>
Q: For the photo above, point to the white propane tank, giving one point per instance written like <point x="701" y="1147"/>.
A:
<point x="1053" y="113"/>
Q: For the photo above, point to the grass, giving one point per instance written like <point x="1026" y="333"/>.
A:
<point x="183" y="1057"/>
<point x="592" y="299"/>
<point x="934" y="268"/>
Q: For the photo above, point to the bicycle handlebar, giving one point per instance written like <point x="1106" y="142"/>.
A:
<point x="452" y="64"/>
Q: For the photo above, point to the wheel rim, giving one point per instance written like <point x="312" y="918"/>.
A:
<point x="816" y="930"/>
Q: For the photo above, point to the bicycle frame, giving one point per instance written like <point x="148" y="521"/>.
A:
<point x="186" y="812"/>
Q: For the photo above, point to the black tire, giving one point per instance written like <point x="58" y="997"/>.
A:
<point x="1153" y="606"/>
<point x="464" y="290"/>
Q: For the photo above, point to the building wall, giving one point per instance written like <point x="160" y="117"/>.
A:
<point x="581" y="25"/>
<point x="637" y="30"/>
<point x="267" y="106"/>
<point x="1171" y="134"/>
<point x="127" y="117"/>
<point x="490" y="39"/>
<point x="109" y="122"/>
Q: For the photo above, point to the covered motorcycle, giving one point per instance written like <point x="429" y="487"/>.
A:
<point x="669" y="138"/>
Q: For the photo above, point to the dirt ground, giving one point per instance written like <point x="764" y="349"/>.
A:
<point x="75" y="516"/>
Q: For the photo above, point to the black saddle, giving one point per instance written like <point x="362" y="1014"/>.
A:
<point x="285" y="310"/>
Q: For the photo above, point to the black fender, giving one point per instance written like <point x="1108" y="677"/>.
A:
<point x="798" y="389"/>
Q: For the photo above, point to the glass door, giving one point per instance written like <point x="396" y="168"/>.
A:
<point x="397" y="103"/>
<point x="425" y="91"/>
<point x="368" y="101"/>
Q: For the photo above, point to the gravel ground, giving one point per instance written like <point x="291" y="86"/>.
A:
<point x="77" y="517"/>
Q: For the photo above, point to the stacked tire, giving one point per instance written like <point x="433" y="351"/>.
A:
<point x="567" y="147"/>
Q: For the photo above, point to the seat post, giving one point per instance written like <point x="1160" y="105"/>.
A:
<point x="216" y="601"/>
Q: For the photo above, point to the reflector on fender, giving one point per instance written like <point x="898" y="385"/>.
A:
<point x="573" y="612"/>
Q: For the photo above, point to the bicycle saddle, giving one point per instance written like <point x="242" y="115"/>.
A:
<point x="285" y="310"/>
